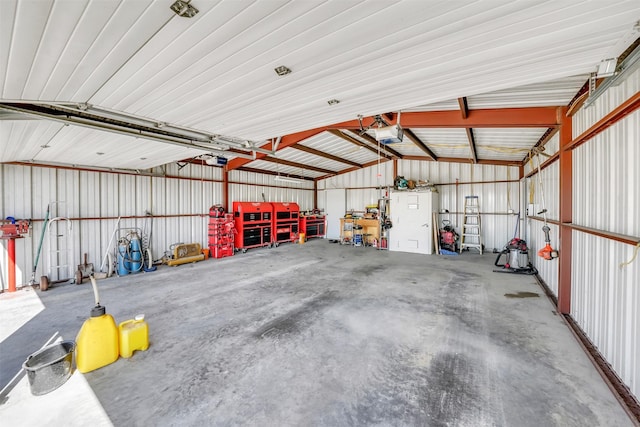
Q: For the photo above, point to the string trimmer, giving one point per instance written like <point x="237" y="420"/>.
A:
<point x="547" y="252"/>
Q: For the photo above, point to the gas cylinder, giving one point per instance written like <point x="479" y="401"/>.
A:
<point x="124" y="265"/>
<point x="134" y="335"/>
<point x="97" y="341"/>
<point x="135" y="253"/>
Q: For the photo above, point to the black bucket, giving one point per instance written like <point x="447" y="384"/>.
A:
<point x="50" y="367"/>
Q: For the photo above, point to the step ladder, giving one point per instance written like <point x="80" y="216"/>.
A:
<point x="471" y="228"/>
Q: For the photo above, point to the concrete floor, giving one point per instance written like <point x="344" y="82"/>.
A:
<point x="315" y="334"/>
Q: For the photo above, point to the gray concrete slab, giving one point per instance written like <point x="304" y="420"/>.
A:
<point x="323" y="334"/>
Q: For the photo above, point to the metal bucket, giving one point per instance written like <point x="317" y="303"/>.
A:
<point x="50" y="367"/>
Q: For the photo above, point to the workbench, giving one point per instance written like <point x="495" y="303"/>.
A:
<point x="370" y="230"/>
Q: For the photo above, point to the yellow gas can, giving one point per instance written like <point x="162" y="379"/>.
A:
<point x="97" y="341"/>
<point x="134" y="335"/>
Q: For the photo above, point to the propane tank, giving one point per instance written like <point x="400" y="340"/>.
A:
<point x="97" y="343"/>
<point x="135" y="252"/>
<point x="124" y="265"/>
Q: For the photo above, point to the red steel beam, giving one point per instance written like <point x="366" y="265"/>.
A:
<point x="542" y="117"/>
<point x="286" y="141"/>
<point x="464" y="160"/>
<point x="566" y="217"/>
<point x="624" y="109"/>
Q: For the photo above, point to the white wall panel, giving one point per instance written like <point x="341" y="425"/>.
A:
<point x="605" y="300"/>
<point x="606" y="179"/>
<point x="550" y="148"/>
<point x="547" y="269"/>
<point x="550" y="187"/>
<point x="94" y="201"/>
<point x="373" y="176"/>
<point x="254" y="187"/>
<point x="498" y="226"/>
<point x="607" y="102"/>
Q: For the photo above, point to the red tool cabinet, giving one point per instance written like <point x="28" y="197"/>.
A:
<point x="253" y="223"/>
<point x="221" y="232"/>
<point x="313" y="225"/>
<point x="285" y="222"/>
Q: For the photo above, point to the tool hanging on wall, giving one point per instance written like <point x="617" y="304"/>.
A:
<point x="547" y="252"/>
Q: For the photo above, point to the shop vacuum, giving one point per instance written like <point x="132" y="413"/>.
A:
<point x="517" y="256"/>
<point x="517" y="260"/>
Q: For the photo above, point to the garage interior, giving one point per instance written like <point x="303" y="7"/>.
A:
<point x="329" y="213"/>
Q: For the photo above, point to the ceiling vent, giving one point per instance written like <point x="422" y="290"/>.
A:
<point x="282" y="70"/>
<point x="184" y="9"/>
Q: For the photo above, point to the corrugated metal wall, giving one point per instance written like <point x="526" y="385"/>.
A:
<point x="605" y="299"/>
<point x="495" y="198"/>
<point x="605" y="302"/>
<point x="179" y="202"/>
<point x="254" y="187"/>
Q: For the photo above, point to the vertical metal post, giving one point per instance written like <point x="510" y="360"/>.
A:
<point x="566" y="213"/>
<point x="225" y="189"/>
<point x="315" y="194"/>
<point x="11" y="246"/>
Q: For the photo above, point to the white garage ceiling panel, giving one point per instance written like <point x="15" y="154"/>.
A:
<point x="80" y="146"/>
<point x="336" y="146"/>
<point x="445" y="142"/>
<point x="31" y="134"/>
<point x="283" y="170"/>
<point x="215" y="71"/>
<point x="66" y="50"/>
<point x="559" y="92"/>
<point x="506" y="144"/>
<point x="293" y="155"/>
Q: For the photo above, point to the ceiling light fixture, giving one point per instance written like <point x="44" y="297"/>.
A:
<point x="607" y="67"/>
<point x="184" y="9"/>
<point x="333" y="101"/>
<point x="282" y="70"/>
<point x="287" y="179"/>
<point x="626" y="67"/>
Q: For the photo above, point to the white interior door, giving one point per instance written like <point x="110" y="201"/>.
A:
<point x="412" y="223"/>
<point x="335" y="207"/>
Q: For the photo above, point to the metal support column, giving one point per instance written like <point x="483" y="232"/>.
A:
<point x="566" y="213"/>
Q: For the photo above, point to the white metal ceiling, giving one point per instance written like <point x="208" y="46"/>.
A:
<point x="215" y="71"/>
